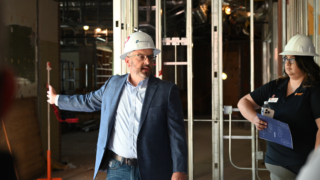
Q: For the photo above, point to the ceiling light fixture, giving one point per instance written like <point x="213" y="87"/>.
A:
<point x="228" y="10"/>
<point x="85" y="27"/>
<point x="98" y="30"/>
<point x="224" y="76"/>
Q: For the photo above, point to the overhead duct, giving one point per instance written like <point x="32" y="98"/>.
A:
<point x="200" y="12"/>
<point x="175" y="2"/>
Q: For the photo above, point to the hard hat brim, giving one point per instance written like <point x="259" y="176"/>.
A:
<point x="295" y="53"/>
<point x="155" y="52"/>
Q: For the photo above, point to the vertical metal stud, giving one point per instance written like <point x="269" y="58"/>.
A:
<point x="284" y="23"/>
<point x="190" y="90"/>
<point x="297" y="14"/>
<point x="220" y="88"/>
<point x="125" y="5"/>
<point x="158" y="38"/>
<point x="316" y="27"/>
<point x="117" y="45"/>
<point x="300" y="18"/>
<point x="164" y="19"/>
<point x="175" y="66"/>
<point x="217" y="126"/>
<point x="252" y="87"/>
<point x="131" y="17"/>
<point x="290" y="17"/>
<point x="294" y="18"/>
<point x="136" y="14"/>
<point x="306" y="24"/>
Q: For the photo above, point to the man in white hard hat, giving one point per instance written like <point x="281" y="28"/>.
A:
<point x="142" y="133"/>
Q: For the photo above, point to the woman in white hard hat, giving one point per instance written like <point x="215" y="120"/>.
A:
<point x="295" y="99"/>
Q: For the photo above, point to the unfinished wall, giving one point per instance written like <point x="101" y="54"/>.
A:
<point x="20" y="131"/>
<point x="31" y="31"/>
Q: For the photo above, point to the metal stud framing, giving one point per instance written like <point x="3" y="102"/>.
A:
<point x="253" y="129"/>
<point x="305" y="15"/>
<point x="117" y="47"/>
<point x="316" y="27"/>
<point x="216" y="51"/>
<point x="284" y="23"/>
<point x="127" y="19"/>
<point x="158" y="38"/>
<point x="190" y="90"/>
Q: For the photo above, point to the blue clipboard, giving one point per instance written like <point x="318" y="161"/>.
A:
<point x="277" y="132"/>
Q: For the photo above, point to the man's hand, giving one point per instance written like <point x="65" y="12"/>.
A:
<point x="51" y="94"/>
<point x="260" y="125"/>
<point x="179" y="176"/>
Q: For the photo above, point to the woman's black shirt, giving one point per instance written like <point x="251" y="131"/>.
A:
<point x="299" y="110"/>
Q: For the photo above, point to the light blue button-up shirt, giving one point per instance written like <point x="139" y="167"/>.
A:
<point x="123" y="139"/>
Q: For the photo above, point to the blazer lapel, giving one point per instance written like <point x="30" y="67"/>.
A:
<point x="151" y="89"/>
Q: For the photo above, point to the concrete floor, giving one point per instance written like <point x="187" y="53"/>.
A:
<point x="78" y="148"/>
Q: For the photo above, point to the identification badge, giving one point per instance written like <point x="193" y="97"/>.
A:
<point x="273" y="100"/>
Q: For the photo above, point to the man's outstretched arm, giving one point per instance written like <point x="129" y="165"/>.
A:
<point x="86" y="103"/>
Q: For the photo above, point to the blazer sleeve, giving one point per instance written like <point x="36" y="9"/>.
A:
<point x="85" y="103"/>
<point x="177" y="134"/>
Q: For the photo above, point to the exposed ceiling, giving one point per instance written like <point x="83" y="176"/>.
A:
<point x="74" y="15"/>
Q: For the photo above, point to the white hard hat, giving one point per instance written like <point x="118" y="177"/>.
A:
<point x="139" y="40"/>
<point x="299" y="45"/>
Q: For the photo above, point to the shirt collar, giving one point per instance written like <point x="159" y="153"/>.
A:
<point x="283" y="85"/>
<point x="141" y="84"/>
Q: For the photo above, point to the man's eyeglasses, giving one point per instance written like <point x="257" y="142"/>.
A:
<point x="142" y="57"/>
<point x="291" y="60"/>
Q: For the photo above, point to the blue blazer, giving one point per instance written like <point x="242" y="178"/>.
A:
<point x="161" y="141"/>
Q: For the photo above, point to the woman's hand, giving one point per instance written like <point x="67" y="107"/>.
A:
<point x="260" y="125"/>
<point x="247" y="108"/>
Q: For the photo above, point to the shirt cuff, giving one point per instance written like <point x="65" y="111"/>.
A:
<point x="56" y="101"/>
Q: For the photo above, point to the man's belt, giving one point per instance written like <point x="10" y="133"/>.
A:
<point x="127" y="161"/>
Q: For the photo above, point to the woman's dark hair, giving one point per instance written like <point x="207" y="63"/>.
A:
<point x="311" y="69"/>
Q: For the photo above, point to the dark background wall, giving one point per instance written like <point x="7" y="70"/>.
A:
<point x="31" y="31"/>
